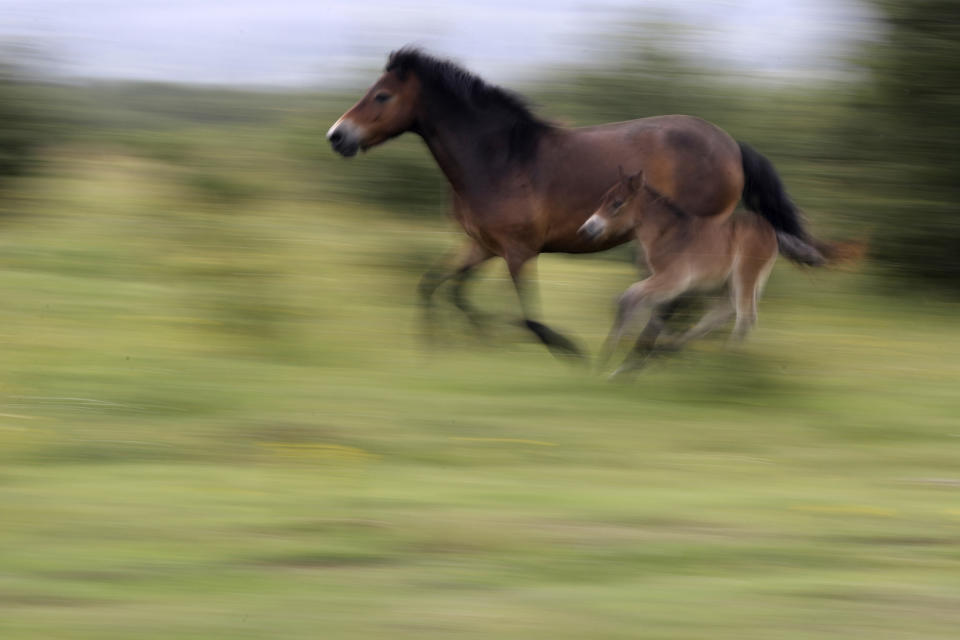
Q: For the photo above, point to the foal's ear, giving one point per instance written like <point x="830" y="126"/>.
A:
<point x="634" y="181"/>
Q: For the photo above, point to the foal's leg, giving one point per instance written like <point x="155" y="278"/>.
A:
<point x="746" y="304"/>
<point x="471" y="256"/>
<point x="657" y="290"/>
<point x="719" y="312"/>
<point x="647" y="340"/>
<point x="556" y="342"/>
<point x="745" y="288"/>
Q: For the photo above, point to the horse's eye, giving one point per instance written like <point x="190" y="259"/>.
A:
<point x="382" y="97"/>
<point x="617" y="204"/>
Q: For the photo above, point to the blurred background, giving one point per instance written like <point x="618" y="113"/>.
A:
<point x="217" y="419"/>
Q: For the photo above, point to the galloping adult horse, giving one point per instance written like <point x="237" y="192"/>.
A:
<point x="522" y="186"/>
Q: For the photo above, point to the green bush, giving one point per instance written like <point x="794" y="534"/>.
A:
<point x="904" y="135"/>
<point x="21" y="124"/>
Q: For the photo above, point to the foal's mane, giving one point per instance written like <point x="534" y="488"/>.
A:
<point x="454" y="89"/>
<point x="666" y="201"/>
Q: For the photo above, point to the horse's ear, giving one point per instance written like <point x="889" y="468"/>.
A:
<point x="620" y="174"/>
<point x="635" y="180"/>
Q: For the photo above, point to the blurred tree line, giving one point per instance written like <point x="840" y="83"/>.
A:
<point x="904" y="133"/>
<point x="23" y="128"/>
<point x="871" y="153"/>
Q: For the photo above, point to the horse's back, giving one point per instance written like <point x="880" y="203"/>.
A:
<point x="693" y="162"/>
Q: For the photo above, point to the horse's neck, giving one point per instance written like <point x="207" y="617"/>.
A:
<point x="473" y="155"/>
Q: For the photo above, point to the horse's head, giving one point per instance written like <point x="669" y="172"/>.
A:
<point x="616" y="213"/>
<point x="386" y="110"/>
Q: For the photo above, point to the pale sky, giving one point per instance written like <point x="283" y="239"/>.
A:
<point x="322" y="42"/>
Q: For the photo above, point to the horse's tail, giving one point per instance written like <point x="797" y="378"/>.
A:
<point x="764" y="194"/>
<point x="816" y="253"/>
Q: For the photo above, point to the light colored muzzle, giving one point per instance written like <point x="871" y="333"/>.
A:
<point x="593" y="228"/>
<point x="345" y="137"/>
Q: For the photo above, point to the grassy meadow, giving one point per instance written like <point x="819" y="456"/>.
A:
<point x="218" y="419"/>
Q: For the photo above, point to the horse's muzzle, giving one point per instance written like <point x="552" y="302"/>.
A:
<point x="343" y="140"/>
<point x="592" y="229"/>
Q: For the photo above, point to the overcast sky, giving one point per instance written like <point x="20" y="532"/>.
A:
<point x="293" y="42"/>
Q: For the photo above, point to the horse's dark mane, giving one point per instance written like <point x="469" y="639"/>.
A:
<point x="454" y="89"/>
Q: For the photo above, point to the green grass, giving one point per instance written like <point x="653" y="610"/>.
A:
<point x="217" y="421"/>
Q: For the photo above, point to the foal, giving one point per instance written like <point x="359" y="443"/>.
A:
<point x="690" y="254"/>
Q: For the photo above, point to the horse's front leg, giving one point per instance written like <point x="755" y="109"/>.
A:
<point x="557" y="343"/>
<point x="469" y="257"/>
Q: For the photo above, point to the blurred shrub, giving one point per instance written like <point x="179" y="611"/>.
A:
<point x="219" y="189"/>
<point x="904" y="135"/>
<point x="400" y="177"/>
<point x="644" y="69"/>
<point x="22" y="124"/>
<point x="160" y="146"/>
<point x="407" y="180"/>
<point x="149" y="105"/>
<point x="235" y="282"/>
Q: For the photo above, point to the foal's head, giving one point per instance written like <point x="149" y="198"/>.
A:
<point x="619" y="209"/>
<point x="387" y="109"/>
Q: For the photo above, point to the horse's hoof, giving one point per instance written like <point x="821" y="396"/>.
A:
<point x="558" y="344"/>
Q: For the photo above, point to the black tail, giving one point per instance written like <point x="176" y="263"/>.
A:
<point x="796" y="250"/>
<point x="763" y="193"/>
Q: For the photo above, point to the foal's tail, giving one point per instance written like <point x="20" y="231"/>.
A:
<point x="764" y="193"/>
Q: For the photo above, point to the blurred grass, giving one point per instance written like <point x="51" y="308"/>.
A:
<point x="216" y="421"/>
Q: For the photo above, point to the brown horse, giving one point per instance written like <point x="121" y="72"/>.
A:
<point x="689" y="254"/>
<point x="522" y="186"/>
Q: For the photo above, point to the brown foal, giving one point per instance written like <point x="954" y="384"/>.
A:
<point x="686" y="254"/>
